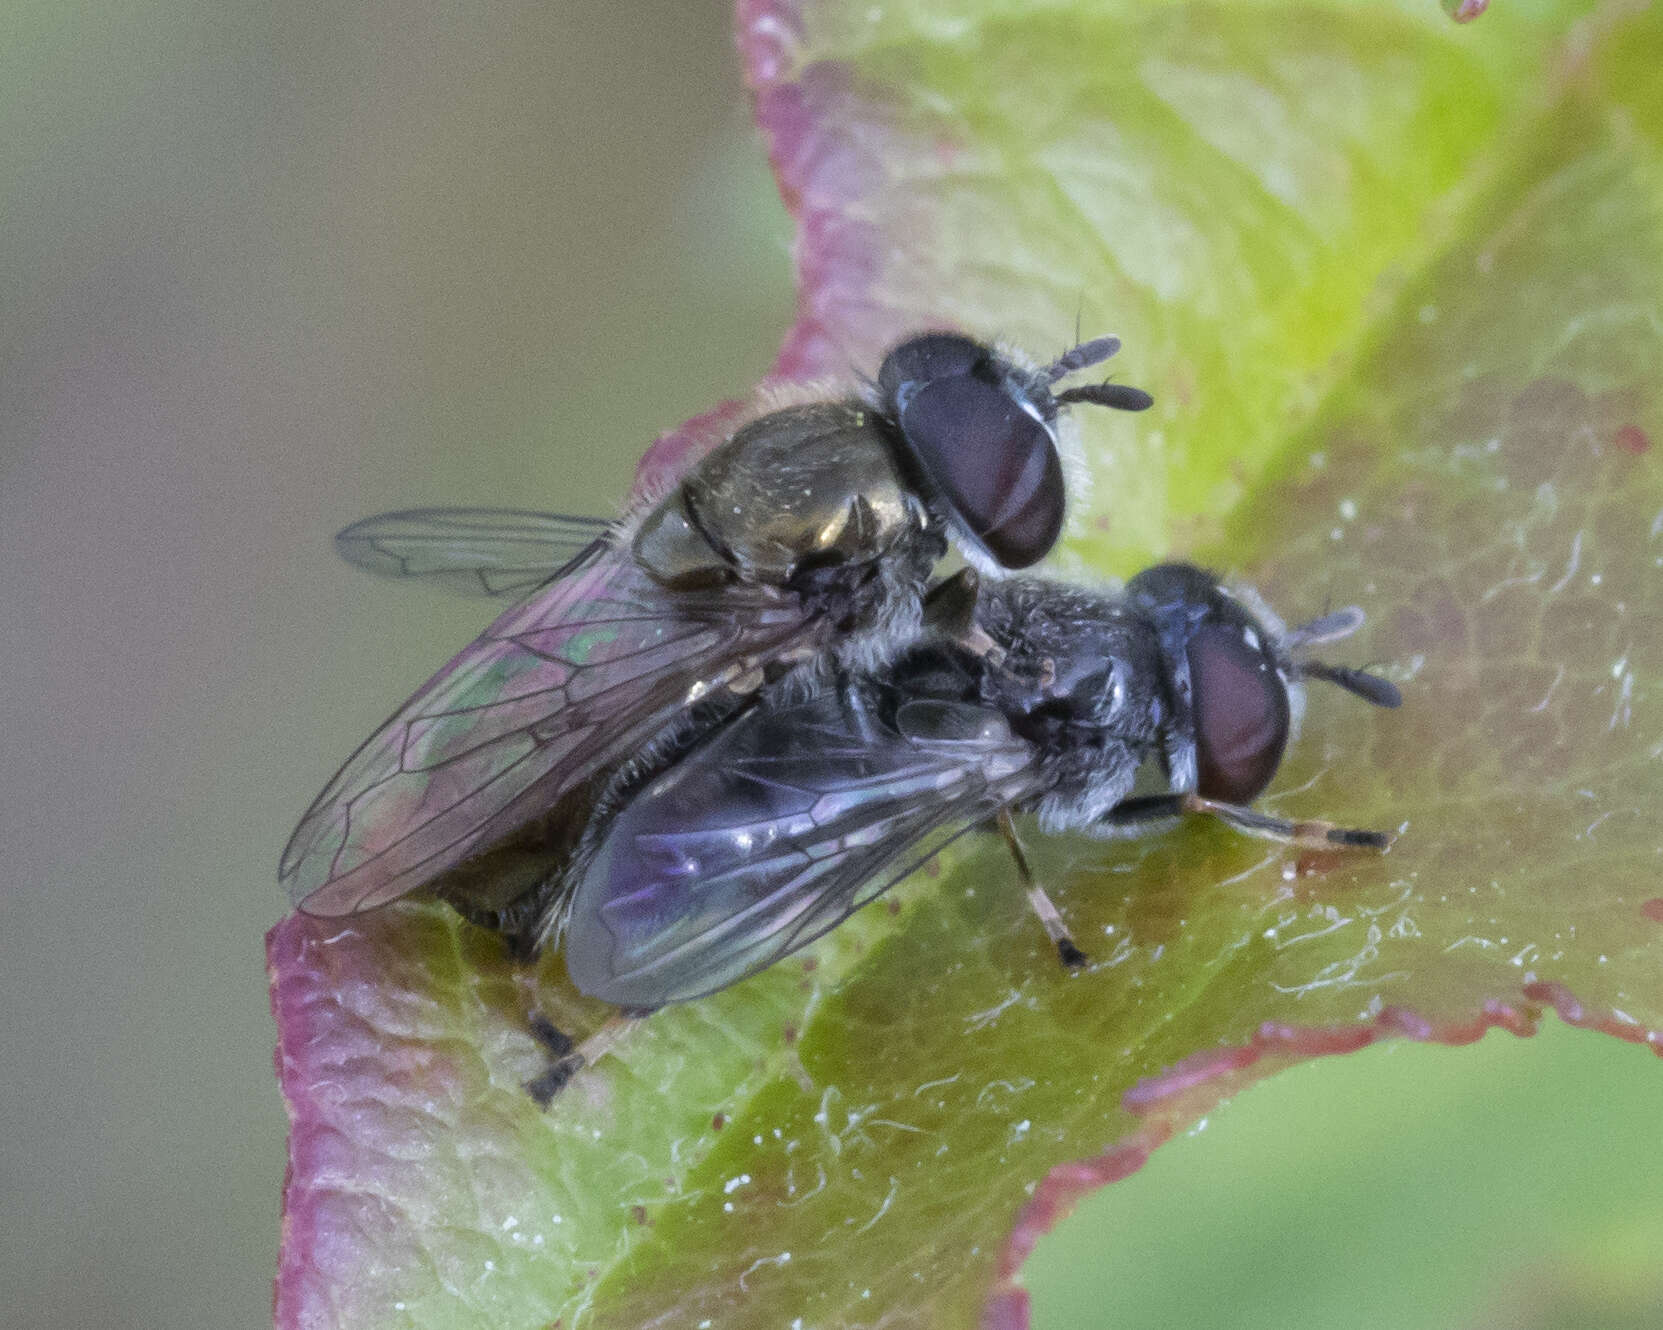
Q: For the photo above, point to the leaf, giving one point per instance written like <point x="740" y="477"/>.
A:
<point x="1398" y="288"/>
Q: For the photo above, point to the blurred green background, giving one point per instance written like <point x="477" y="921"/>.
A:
<point x="267" y="268"/>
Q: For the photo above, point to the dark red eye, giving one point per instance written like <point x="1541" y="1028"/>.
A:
<point x="923" y="359"/>
<point x="981" y="451"/>
<point x="1241" y="713"/>
<point x="992" y="462"/>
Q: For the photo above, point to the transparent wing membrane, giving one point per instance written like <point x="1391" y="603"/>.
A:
<point x="777" y="829"/>
<point x="475" y="551"/>
<point x="560" y="689"/>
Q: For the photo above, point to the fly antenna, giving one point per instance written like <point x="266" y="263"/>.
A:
<point x="1326" y="628"/>
<point x="1120" y="396"/>
<point x="1370" y="687"/>
<point x="1083" y="356"/>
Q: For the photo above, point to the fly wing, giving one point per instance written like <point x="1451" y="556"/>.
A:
<point x="777" y="829"/>
<point x="560" y="688"/>
<point x="477" y="551"/>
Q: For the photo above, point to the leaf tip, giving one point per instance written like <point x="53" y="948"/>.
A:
<point x="1464" y="11"/>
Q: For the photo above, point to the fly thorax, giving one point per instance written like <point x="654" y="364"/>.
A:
<point x="674" y="551"/>
<point x="1087" y="777"/>
<point x="876" y="610"/>
<point x="808" y="486"/>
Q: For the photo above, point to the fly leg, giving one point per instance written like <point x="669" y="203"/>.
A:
<point x="1067" y="952"/>
<point x="1142" y="813"/>
<point x="950" y="609"/>
<point x="564" y="1060"/>
<point x="1147" y="811"/>
<point x="1310" y="834"/>
<point x="567" y="1058"/>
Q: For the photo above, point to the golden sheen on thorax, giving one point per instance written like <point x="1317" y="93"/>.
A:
<point x="815" y="483"/>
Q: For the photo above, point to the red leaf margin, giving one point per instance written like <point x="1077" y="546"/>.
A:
<point x="1198" y="1084"/>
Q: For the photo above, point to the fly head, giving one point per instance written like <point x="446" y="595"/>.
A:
<point x="1230" y="668"/>
<point x="980" y="434"/>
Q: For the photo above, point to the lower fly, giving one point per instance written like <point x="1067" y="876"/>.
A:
<point x="767" y="832"/>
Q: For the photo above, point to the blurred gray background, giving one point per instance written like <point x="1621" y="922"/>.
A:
<point x="268" y="268"/>
<point x="265" y="269"/>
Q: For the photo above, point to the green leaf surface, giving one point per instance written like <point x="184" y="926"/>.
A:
<point x="1398" y="288"/>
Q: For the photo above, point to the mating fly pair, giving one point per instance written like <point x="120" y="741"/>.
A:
<point x="809" y="536"/>
<point x="737" y="715"/>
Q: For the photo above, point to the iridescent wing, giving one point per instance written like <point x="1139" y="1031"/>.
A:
<point x="559" y="689"/>
<point x="775" y="830"/>
<point x="477" y="551"/>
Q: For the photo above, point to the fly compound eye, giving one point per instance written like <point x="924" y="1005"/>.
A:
<point x="993" y="463"/>
<point x="982" y="450"/>
<point x="1241" y="713"/>
<point x="922" y="360"/>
